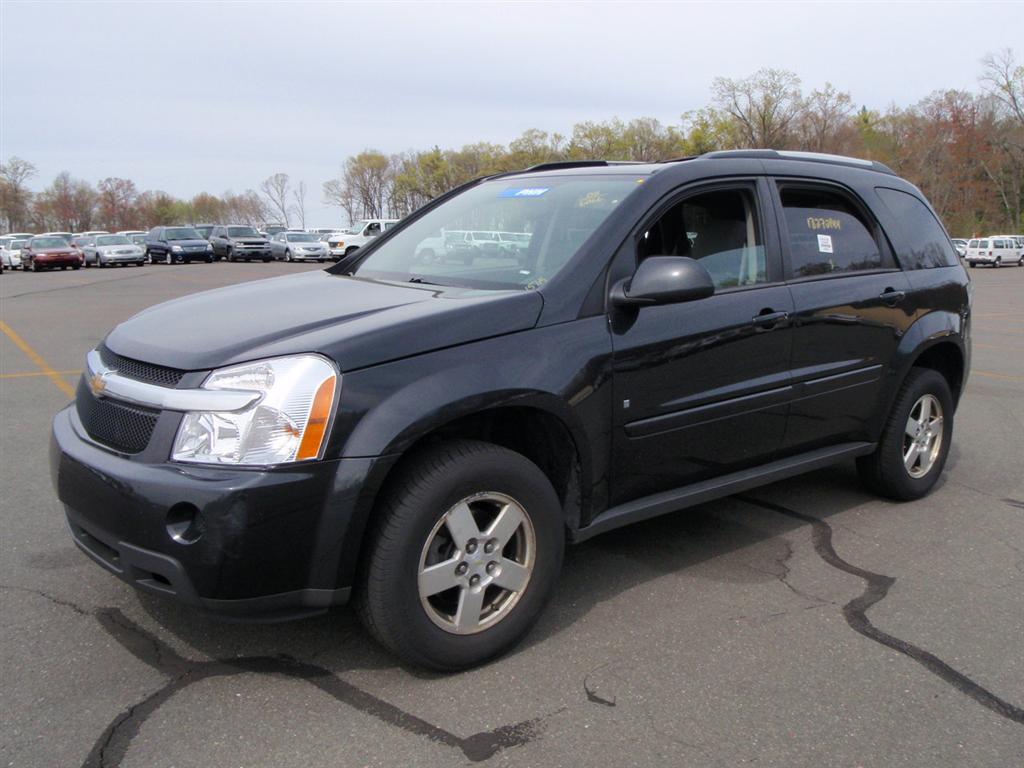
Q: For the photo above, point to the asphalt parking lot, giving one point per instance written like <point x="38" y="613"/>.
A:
<point x="803" y="624"/>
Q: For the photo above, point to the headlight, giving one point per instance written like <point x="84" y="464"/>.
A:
<point x="209" y="246"/>
<point x="289" y="422"/>
<point x="176" y="248"/>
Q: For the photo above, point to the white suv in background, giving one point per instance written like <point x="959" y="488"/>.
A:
<point x="995" y="250"/>
<point x="358" y="235"/>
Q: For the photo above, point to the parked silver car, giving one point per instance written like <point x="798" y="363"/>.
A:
<point x="110" y="250"/>
<point x="298" y="246"/>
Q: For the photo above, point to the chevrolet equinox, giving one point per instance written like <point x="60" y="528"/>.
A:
<point x="424" y="436"/>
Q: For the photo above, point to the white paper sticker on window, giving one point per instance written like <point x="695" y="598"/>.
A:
<point x="825" y="243"/>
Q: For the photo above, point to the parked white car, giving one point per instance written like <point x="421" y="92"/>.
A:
<point x="10" y="252"/>
<point x="66" y="235"/>
<point x="358" y="235"/>
<point x="995" y="250"/>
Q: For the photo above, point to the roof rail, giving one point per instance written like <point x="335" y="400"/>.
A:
<point x="560" y="164"/>
<point x="811" y="157"/>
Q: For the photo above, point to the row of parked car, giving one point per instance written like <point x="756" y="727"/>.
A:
<point x="182" y="244"/>
<point x="239" y="242"/>
<point x="994" y="250"/>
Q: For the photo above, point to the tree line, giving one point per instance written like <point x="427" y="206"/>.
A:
<point x="964" y="149"/>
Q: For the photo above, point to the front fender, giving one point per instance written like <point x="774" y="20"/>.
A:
<point x="562" y="370"/>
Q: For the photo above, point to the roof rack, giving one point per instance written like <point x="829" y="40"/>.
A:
<point x="561" y="164"/>
<point x="810" y="157"/>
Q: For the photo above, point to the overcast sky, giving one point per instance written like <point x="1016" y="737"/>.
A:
<point x="201" y="96"/>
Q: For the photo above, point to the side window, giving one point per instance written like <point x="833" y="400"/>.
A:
<point x="720" y="229"/>
<point x="372" y="230"/>
<point x="826" y="233"/>
<point x="925" y="243"/>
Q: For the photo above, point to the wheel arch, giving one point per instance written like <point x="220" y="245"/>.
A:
<point x="526" y="425"/>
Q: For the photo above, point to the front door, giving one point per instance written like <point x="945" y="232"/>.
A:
<point x="702" y="387"/>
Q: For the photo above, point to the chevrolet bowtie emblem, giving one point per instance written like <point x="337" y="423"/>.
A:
<point x="98" y="382"/>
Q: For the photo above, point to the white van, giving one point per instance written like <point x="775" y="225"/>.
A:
<point x="994" y="250"/>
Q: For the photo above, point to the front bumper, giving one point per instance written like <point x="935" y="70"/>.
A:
<point x="250" y="252"/>
<point x="272" y="544"/>
<point x="50" y="260"/>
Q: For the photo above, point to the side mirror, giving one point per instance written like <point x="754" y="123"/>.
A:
<point x="664" y="280"/>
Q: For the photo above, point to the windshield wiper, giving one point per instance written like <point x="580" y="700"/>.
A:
<point x="421" y="281"/>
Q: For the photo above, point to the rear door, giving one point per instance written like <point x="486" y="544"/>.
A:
<point x="702" y="387"/>
<point x="851" y="309"/>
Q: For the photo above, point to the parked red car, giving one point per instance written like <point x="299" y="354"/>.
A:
<point x="48" y="252"/>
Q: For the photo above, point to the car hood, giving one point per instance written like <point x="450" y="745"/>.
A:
<point x="356" y="322"/>
<point x="122" y="246"/>
<point x="64" y="250"/>
<point x="188" y="243"/>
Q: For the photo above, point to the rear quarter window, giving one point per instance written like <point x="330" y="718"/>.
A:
<point x="922" y="243"/>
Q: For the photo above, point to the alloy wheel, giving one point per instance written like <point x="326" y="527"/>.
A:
<point x="922" y="437"/>
<point x="476" y="563"/>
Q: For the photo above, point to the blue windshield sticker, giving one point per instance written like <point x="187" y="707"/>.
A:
<point x="524" y="192"/>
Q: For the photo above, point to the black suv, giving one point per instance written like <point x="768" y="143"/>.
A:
<point x="176" y="245"/>
<point x="238" y="242"/>
<point x="427" y="436"/>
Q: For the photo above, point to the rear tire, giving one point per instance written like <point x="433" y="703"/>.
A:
<point x="457" y="626"/>
<point x="888" y="471"/>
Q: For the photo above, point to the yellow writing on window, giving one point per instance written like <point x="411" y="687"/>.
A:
<point x="823" y="222"/>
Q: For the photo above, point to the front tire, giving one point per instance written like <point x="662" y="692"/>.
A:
<point x="464" y="554"/>
<point x="915" y="440"/>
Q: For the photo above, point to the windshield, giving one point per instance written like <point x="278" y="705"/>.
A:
<point x="181" y="233"/>
<point x="49" y="242"/>
<point x="302" y="237"/>
<point x="242" y="232"/>
<point x="112" y="240"/>
<point x="17" y="245"/>
<point x="355" y="228"/>
<point x="555" y="214"/>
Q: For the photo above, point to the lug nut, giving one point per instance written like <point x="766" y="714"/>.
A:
<point x="489" y="546"/>
<point x="492" y="567"/>
<point x="461" y="569"/>
<point x="474" y="580"/>
<point x="471" y="546"/>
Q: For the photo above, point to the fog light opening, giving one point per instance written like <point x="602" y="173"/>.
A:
<point x="184" y="523"/>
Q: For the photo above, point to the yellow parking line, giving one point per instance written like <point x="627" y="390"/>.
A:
<point x="992" y="375"/>
<point x="46" y="373"/>
<point x="46" y="369"/>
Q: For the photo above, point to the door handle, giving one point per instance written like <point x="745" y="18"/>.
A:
<point x="767" y="319"/>
<point x="892" y="298"/>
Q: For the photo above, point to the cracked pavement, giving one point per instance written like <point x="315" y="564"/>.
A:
<point x="803" y="624"/>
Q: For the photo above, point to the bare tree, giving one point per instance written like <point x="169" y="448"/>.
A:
<point x="337" y="193"/>
<point x="764" y="106"/>
<point x="299" y="193"/>
<point x="1004" y="78"/>
<point x="15" y="196"/>
<point x="276" y="188"/>
<point x="826" y="112"/>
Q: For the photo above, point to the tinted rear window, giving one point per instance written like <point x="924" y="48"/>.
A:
<point x="923" y="243"/>
<point x="827" y="234"/>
